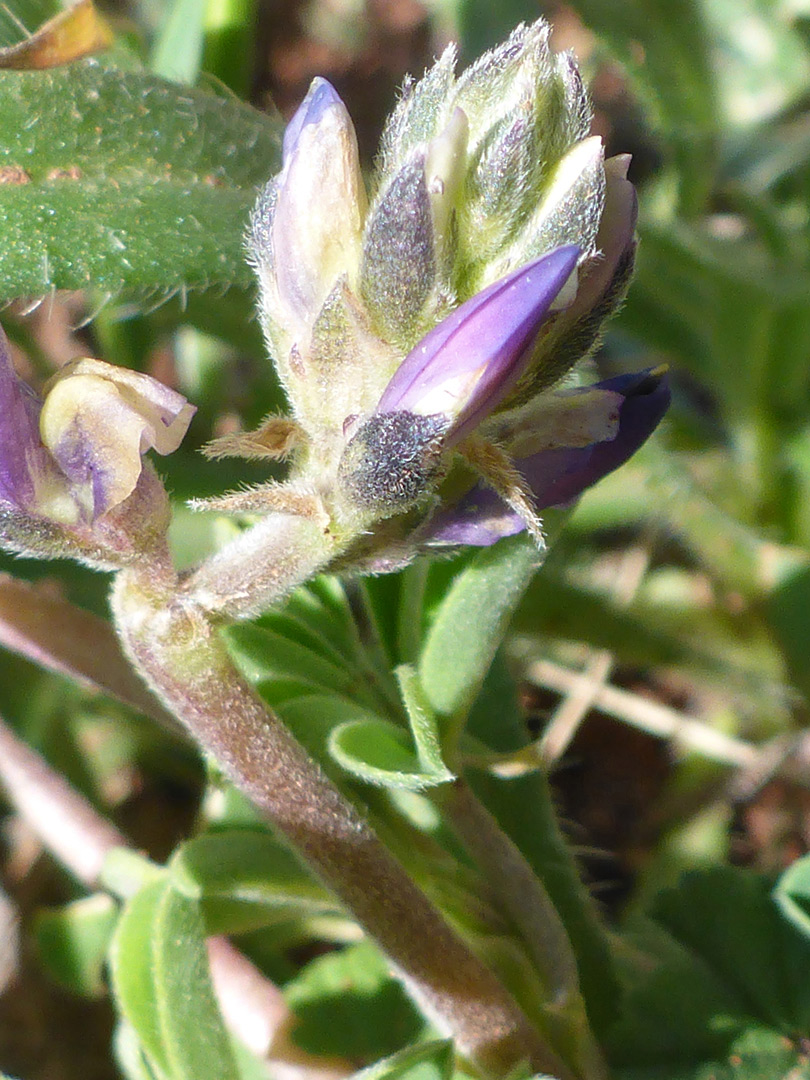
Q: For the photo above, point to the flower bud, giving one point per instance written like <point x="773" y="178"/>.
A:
<point x="457" y="375"/>
<point x="408" y="245"/>
<point x="526" y="109"/>
<point x="306" y="229"/>
<point x="568" y="211"/>
<point x="419" y="115"/>
<point x="467" y="365"/>
<point x="603" y="280"/>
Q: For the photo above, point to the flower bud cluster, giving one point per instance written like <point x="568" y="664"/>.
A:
<point x="501" y="153"/>
<point x="421" y="324"/>
<point x="476" y="177"/>
<point x="414" y="321"/>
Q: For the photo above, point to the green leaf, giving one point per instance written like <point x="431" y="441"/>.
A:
<point x="305" y="632"/>
<point x="646" y="634"/>
<point x="125" y="181"/>
<point x="762" y="68"/>
<point x="230" y="318"/>
<point x="262" y="654"/>
<point x="675" y="1011"/>
<point x="132" y="970"/>
<point x="225" y="806"/>
<point x="309" y="689"/>
<point x="759" y="1054"/>
<point x="664" y="46"/>
<point x="720" y="960"/>
<point x="250" y="869"/>
<point x="125" y="872"/>
<point x="425" y="1061"/>
<point x="322" y="617"/>
<point x="323" y="606"/>
<point x="161" y="981"/>
<point x="348" y="1004"/>
<point x="792" y="894"/>
<point x="313" y="718"/>
<point x="482" y="25"/>
<point x="382" y="601"/>
<point x="665" y="49"/>
<point x="769" y="154"/>
<point x="524" y="808"/>
<point x="729" y="918"/>
<point x="470" y="622"/>
<point x="756" y="1055"/>
<point x="410" y="610"/>
<point x="230" y="43"/>
<point x="129" y="1055"/>
<point x="19" y="21"/>
<point x="73" y="942"/>
<point x="379" y="752"/>
<point x="788" y="613"/>
<point x="424" y="727"/>
<point x="718" y="306"/>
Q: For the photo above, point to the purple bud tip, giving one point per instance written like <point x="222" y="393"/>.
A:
<point x="467" y="365"/>
<point x="320" y="97"/>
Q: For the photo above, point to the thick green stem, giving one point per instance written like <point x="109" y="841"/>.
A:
<point x="177" y="649"/>
<point x="524" y="810"/>
<point x="524" y="900"/>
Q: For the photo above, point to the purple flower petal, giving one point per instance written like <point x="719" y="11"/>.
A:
<point x="562" y="473"/>
<point x="20" y="446"/>
<point x="468" y="364"/>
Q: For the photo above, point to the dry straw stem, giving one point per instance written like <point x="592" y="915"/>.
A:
<point x="787" y="758"/>
<point x="578" y="700"/>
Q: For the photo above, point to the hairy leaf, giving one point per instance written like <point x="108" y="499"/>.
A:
<point x="122" y="181"/>
<point x="161" y="980"/>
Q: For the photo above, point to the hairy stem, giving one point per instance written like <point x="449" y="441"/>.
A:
<point x="176" y="647"/>
<point x="537" y="834"/>
<point x="524" y="900"/>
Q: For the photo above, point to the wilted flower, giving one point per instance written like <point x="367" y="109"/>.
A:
<point x="421" y="329"/>
<point x="68" y="463"/>
<point x="98" y="420"/>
